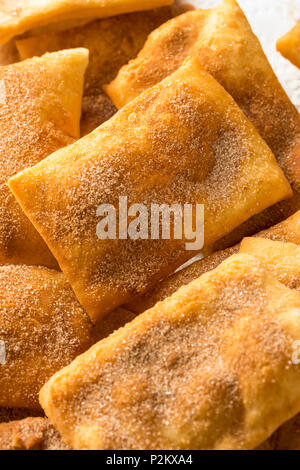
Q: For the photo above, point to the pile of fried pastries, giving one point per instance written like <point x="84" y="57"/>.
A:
<point x="105" y="343"/>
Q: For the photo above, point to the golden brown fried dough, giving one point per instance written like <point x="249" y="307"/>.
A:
<point x="30" y="434"/>
<point x="224" y="43"/>
<point x="208" y="368"/>
<point x="112" y="42"/>
<point x="282" y="259"/>
<point x="188" y="142"/>
<point x="18" y="16"/>
<point x="40" y="106"/>
<point x="286" y="231"/>
<point x="289" y="45"/>
<point x="43" y="328"/>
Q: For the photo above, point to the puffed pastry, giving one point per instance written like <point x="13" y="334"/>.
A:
<point x="112" y="42"/>
<point x="40" y="107"/>
<point x="289" y="45"/>
<point x="18" y="16"/>
<point x="187" y="142"/>
<point x="43" y="328"/>
<point x="222" y="40"/>
<point x="286" y="231"/>
<point x="208" y="368"/>
<point x="30" y="434"/>
<point x="282" y="259"/>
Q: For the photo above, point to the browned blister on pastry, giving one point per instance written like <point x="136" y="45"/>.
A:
<point x="286" y="231"/>
<point x="112" y="42"/>
<point x="185" y="141"/>
<point x="208" y="368"/>
<point x="40" y="106"/>
<point x="224" y="43"/>
<point x="19" y="16"/>
<point x="42" y="329"/>
<point x="289" y="45"/>
<point x="30" y="434"/>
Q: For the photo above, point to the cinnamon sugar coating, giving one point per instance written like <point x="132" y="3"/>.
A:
<point x="40" y="106"/>
<point x="225" y="45"/>
<point x="112" y="42"/>
<point x="208" y="368"/>
<point x="188" y="142"/>
<point x="286" y="231"/>
<point x="19" y="16"/>
<point x="30" y="434"/>
<point x="43" y="328"/>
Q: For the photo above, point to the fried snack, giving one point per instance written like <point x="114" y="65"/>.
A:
<point x="30" y="434"/>
<point x="224" y="43"/>
<point x="40" y="106"/>
<point x="9" y="53"/>
<point x="286" y="231"/>
<point x="208" y="368"/>
<point x="282" y="259"/>
<point x="19" y="16"/>
<point x="43" y="328"/>
<point x="112" y="42"/>
<point x="289" y="45"/>
<point x="187" y="142"/>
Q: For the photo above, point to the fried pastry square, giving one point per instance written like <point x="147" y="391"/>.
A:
<point x="289" y="45"/>
<point x="187" y="143"/>
<point x="40" y="106"/>
<point x="42" y="327"/>
<point x="286" y="231"/>
<point x="224" y="43"/>
<point x="282" y="259"/>
<point x="208" y="368"/>
<point x="18" y="16"/>
<point x="112" y="42"/>
<point x="30" y="434"/>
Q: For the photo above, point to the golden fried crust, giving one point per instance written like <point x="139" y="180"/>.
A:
<point x="286" y="231"/>
<point x="282" y="259"/>
<point x="112" y="42"/>
<point x="43" y="328"/>
<point x="9" y="53"/>
<point x="18" y="16"/>
<point x="162" y="157"/>
<point x="40" y="106"/>
<point x="208" y="368"/>
<point x="289" y="45"/>
<point x="30" y="434"/>
<point x="224" y="43"/>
